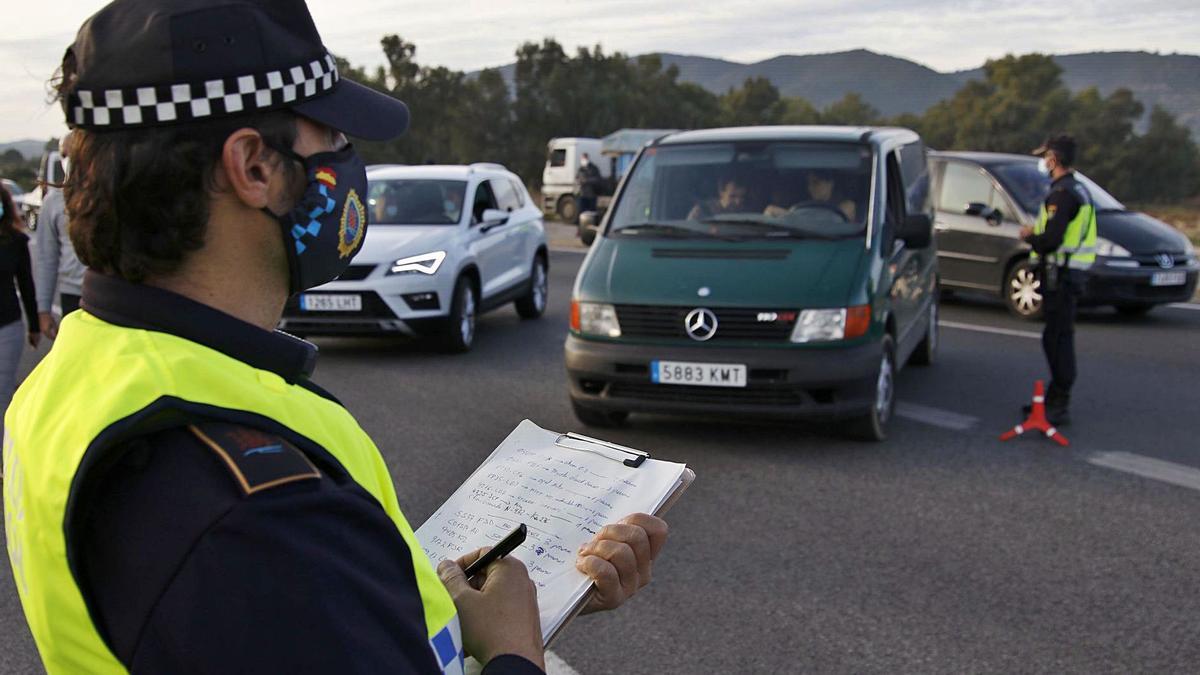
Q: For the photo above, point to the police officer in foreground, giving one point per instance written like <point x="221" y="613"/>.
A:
<point x="179" y="496"/>
<point x="1064" y="244"/>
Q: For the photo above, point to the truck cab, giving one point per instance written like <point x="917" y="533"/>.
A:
<point x="558" y="178"/>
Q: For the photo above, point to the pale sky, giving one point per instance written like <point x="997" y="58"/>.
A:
<point x="473" y="34"/>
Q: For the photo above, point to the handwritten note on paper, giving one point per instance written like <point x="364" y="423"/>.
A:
<point x="564" y="495"/>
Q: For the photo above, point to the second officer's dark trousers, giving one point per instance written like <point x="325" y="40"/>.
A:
<point x="1058" y="336"/>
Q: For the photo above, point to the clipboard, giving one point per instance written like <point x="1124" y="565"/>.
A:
<point x="635" y="459"/>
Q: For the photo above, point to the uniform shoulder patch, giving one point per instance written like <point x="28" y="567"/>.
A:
<point x="257" y="460"/>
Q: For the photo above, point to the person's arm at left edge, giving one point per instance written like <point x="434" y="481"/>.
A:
<point x="25" y="284"/>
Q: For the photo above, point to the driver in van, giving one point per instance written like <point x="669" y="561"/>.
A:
<point x="820" y="193"/>
<point x="731" y="198"/>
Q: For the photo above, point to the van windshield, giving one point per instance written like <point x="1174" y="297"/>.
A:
<point x="415" y="202"/>
<point x="747" y="190"/>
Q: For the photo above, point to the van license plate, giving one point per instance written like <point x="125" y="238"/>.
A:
<point x="313" y="302"/>
<point x="698" y="374"/>
<point x="1168" y="279"/>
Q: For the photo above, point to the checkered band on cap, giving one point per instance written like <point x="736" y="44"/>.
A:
<point x="169" y="103"/>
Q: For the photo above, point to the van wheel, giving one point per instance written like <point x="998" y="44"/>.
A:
<point x="568" y="209"/>
<point x="926" y="352"/>
<point x="598" y="418"/>
<point x="1023" y="290"/>
<point x="533" y="304"/>
<point x="458" y="333"/>
<point x="873" y="425"/>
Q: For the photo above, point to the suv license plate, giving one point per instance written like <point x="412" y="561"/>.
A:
<point x="1168" y="279"/>
<point x="313" y="302"/>
<point x="698" y="374"/>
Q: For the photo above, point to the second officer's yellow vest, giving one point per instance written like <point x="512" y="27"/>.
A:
<point x="1078" y="248"/>
<point x="101" y="379"/>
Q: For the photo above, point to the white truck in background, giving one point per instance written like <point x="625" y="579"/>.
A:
<point x="558" y="178"/>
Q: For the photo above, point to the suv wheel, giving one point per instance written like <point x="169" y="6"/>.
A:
<point x="568" y="209"/>
<point x="533" y="304"/>
<point x="926" y="352"/>
<point x="598" y="418"/>
<point x="1023" y="290"/>
<point x="873" y="425"/>
<point x="459" y="330"/>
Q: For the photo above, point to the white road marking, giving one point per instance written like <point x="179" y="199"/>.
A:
<point x="1148" y="467"/>
<point x="936" y="416"/>
<point x="991" y="329"/>
<point x="564" y="249"/>
<point x="1185" y="305"/>
<point x="556" y="666"/>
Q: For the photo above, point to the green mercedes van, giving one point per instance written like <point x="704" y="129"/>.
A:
<point x="783" y="272"/>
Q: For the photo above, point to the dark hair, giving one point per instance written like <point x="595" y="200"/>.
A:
<point x="138" y="199"/>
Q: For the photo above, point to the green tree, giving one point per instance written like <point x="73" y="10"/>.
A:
<point x="1163" y="163"/>
<point x="796" y="110"/>
<point x="755" y="102"/>
<point x="850" y="110"/>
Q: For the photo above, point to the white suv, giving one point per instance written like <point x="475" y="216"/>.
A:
<point x="444" y="244"/>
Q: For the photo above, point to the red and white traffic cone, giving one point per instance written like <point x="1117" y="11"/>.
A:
<point x="1037" y="420"/>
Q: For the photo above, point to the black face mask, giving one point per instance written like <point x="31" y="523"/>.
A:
<point x="326" y="228"/>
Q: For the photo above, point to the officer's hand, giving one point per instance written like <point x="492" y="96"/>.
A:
<point x="34" y="338"/>
<point x="48" y="325"/>
<point x="499" y="613"/>
<point x="1025" y="233"/>
<point x="619" y="559"/>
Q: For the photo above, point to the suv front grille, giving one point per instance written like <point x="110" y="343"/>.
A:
<point x="733" y="324"/>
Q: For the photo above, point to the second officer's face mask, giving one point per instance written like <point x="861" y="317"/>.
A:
<point x="326" y="227"/>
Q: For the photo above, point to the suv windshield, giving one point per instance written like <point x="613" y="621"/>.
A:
<point x="415" y="201"/>
<point x="747" y="190"/>
<point x="1029" y="187"/>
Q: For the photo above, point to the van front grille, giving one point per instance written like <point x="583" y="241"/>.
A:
<point x="733" y="324"/>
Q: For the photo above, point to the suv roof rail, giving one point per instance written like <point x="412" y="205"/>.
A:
<point x="491" y="166"/>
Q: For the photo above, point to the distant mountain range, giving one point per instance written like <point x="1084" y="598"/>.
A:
<point x="894" y="85"/>
<point x="28" y="148"/>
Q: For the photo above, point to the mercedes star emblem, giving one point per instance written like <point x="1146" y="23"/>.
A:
<point x="701" y="324"/>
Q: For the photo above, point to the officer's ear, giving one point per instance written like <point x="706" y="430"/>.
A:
<point x="251" y="171"/>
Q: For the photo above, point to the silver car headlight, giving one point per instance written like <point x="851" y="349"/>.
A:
<point x="595" y="318"/>
<point x="426" y="263"/>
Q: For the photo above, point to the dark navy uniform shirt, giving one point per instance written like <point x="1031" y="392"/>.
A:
<point x="186" y="570"/>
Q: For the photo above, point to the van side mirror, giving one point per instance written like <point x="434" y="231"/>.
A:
<point x="916" y="230"/>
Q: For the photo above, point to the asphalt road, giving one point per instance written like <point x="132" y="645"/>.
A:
<point x="940" y="551"/>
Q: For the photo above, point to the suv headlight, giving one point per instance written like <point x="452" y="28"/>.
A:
<point x="426" y="263"/>
<point x="594" y="318"/>
<point x="827" y="325"/>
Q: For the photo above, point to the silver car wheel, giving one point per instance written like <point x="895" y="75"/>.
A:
<point x="1025" y="292"/>
<point x="466" y="324"/>
<point x="540" y="290"/>
<point x="884" y="390"/>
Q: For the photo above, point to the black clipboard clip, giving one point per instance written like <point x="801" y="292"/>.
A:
<point x="598" y="447"/>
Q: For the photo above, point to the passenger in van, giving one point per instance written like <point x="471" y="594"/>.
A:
<point x="731" y="198"/>
<point x="820" y="193"/>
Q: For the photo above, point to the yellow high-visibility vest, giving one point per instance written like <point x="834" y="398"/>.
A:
<point x="98" y="383"/>
<point x="1078" y="248"/>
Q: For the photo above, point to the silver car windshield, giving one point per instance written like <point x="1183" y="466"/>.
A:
<point x="415" y="202"/>
<point x="1029" y="187"/>
<point x="747" y="190"/>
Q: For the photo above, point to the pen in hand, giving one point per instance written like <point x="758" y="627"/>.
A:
<point x="507" y="545"/>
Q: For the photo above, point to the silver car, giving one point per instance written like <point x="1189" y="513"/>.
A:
<point x="445" y="243"/>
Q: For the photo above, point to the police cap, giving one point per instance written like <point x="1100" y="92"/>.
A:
<point x="145" y="63"/>
<point x="1062" y="145"/>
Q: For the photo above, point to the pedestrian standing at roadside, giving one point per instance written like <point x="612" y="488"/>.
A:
<point x="1064" y="244"/>
<point x="57" y="268"/>
<point x="587" y="182"/>
<point x="14" y="267"/>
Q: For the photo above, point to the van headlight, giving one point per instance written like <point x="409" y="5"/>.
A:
<point x="595" y="318"/>
<point x="1108" y="249"/>
<point x="426" y="263"/>
<point x="828" y="325"/>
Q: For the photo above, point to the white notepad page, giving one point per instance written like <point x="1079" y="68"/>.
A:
<point x="563" y="495"/>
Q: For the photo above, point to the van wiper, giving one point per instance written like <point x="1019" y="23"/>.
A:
<point x="662" y="228"/>
<point x="776" y="230"/>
